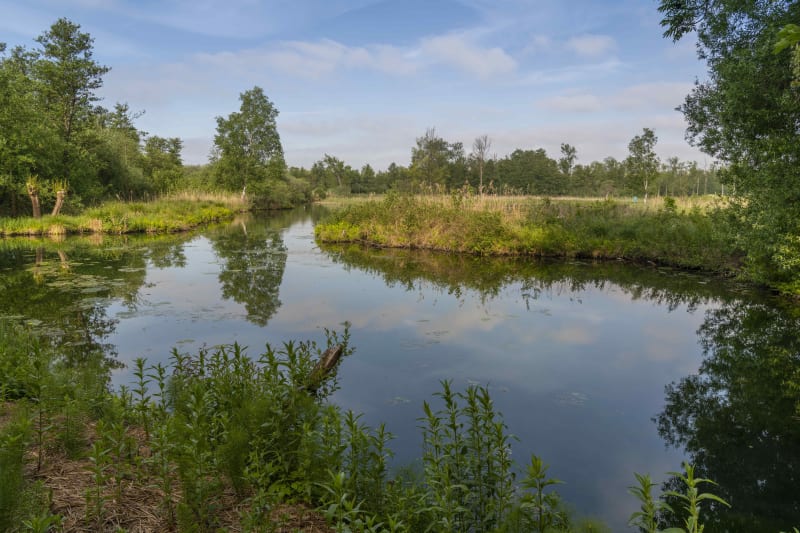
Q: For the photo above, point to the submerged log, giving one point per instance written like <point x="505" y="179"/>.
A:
<point x="325" y="365"/>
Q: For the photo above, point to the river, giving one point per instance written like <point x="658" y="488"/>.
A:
<point x="601" y="369"/>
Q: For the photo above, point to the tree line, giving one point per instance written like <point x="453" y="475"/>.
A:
<point x="439" y="165"/>
<point x="56" y="139"/>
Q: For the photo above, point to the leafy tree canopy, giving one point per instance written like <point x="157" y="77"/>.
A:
<point x="747" y="115"/>
<point x="247" y="142"/>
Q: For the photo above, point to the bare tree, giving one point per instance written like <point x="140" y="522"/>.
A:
<point x="480" y="149"/>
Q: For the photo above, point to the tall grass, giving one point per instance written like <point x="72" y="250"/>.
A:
<point x="179" y="212"/>
<point x="699" y="237"/>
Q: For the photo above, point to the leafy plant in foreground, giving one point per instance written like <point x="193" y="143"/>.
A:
<point x="690" y="499"/>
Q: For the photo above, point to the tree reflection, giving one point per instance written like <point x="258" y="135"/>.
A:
<point x="65" y="301"/>
<point x="253" y="259"/>
<point x="62" y="289"/>
<point x="738" y="417"/>
<point x="488" y="276"/>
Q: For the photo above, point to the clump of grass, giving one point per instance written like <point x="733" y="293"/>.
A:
<point x="600" y="229"/>
<point x="170" y="214"/>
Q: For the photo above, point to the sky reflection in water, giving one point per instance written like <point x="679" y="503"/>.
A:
<point x="576" y="356"/>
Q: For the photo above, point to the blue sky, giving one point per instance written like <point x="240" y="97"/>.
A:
<point x="362" y="79"/>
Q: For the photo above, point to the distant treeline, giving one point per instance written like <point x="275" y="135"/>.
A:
<point x="56" y="141"/>
<point x="438" y="165"/>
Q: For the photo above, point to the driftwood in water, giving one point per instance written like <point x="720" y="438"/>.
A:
<point x="325" y="365"/>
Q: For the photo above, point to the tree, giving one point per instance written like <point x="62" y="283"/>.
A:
<point x="643" y="162"/>
<point x="789" y="36"/>
<point x="68" y="74"/>
<point x="248" y="145"/>
<point x="480" y="150"/>
<point x="530" y="172"/>
<point x="434" y="161"/>
<point x="27" y="143"/>
<point x="745" y="115"/>
<point x="162" y="163"/>
<point x="568" y="156"/>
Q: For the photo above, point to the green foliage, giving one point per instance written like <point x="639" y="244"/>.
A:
<point x="14" y="439"/>
<point x="691" y="499"/>
<point x="643" y="162"/>
<point x="219" y="419"/>
<point x="687" y="496"/>
<point x="51" y="126"/>
<point x="599" y="229"/>
<point x="746" y="116"/>
<point x="540" y="510"/>
<point x="467" y="459"/>
<point x="529" y="172"/>
<point x="436" y="162"/>
<point x="646" y="519"/>
<point x="249" y="155"/>
<point x="162" y="216"/>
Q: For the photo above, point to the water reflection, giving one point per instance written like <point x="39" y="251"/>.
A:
<point x="737" y="417"/>
<point x="64" y="298"/>
<point x="576" y="354"/>
<point x="252" y="258"/>
<point x="487" y="277"/>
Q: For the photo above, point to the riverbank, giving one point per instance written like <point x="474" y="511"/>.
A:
<point x="219" y="440"/>
<point x="166" y="215"/>
<point x="690" y="236"/>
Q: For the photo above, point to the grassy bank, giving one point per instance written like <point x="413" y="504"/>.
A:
<point x="169" y="214"/>
<point x="662" y="231"/>
<point x="219" y="441"/>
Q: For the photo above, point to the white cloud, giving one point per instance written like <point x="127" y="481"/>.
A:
<point x="458" y="51"/>
<point x="317" y="59"/>
<point x="572" y="73"/>
<point x="590" y="45"/>
<point x="537" y="44"/>
<point x="314" y="60"/>
<point x="573" y="103"/>
<point x="659" y="95"/>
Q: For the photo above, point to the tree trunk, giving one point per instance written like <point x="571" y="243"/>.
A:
<point x="59" y="202"/>
<point x="62" y="256"/>
<point x="325" y="365"/>
<point x="37" y="209"/>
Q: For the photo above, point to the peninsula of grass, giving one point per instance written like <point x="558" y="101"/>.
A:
<point x="688" y="236"/>
<point x="166" y="215"/>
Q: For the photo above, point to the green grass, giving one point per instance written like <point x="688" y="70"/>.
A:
<point x="167" y="215"/>
<point x="661" y="232"/>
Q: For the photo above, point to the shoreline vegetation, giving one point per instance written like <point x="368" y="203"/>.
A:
<point x="691" y="233"/>
<point x="169" y="214"/>
<point x="220" y="440"/>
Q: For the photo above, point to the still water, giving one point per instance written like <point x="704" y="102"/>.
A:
<point x="602" y="370"/>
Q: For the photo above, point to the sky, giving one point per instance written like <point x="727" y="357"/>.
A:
<point x="361" y="80"/>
